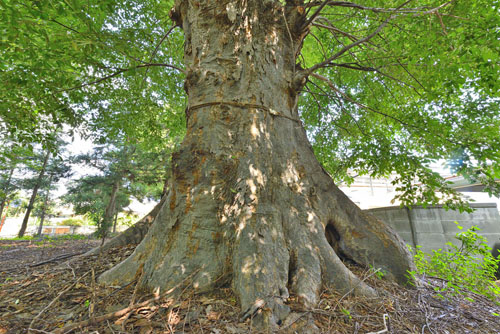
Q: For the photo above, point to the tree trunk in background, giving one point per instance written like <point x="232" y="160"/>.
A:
<point x="107" y="220"/>
<point x="44" y="210"/>
<point x="115" y="221"/>
<point x="33" y="197"/>
<point x="6" y="190"/>
<point x="249" y="203"/>
<point x="133" y="235"/>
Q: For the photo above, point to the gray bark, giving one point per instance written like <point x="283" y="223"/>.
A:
<point x="115" y="222"/>
<point x="110" y="208"/>
<point x="249" y="202"/>
<point x="33" y="197"/>
<point x="44" y="209"/>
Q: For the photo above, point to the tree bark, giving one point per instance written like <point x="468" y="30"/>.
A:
<point x="110" y="208"/>
<point x="249" y="203"/>
<point x="6" y="190"/>
<point x="44" y="210"/>
<point x="134" y="234"/>
<point x="115" y="221"/>
<point x="33" y="197"/>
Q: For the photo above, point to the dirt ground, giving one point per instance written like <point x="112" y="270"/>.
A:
<point x="45" y="288"/>
<point x="23" y="253"/>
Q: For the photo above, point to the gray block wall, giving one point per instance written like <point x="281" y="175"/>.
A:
<point x="433" y="227"/>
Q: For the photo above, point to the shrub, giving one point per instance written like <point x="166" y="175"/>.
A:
<point x="469" y="266"/>
<point x="72" y="222"/>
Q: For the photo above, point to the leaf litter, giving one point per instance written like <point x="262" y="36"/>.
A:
<point x="62" y="296"/>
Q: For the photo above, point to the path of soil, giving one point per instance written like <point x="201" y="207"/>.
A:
<point x="63" y="297"/>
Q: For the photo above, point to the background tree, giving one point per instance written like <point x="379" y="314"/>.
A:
<point x="8" y="186"/>
<point x="44" y="205"/>
<point x="47" y="167"/>
<point x="127" y="170"/>
<point x="56" y="170"/>
<point x="11" y="158"/>
<point x="91" y="196"/>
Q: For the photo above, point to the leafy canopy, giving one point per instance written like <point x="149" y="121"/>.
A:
<point x="392" y="87"/>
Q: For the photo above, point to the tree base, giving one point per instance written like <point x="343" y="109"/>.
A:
<point x="269" y="225"/>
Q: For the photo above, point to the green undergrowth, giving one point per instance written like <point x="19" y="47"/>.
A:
<point x="26" y="237"/>
<point x="467" y="267"/>
<point x="47" y="239"/>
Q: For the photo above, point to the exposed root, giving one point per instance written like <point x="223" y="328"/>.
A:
<point x="259" y="219"/>
<point x="409" y="311"/>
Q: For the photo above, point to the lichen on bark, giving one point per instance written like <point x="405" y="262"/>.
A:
<point x="249" y="203"/>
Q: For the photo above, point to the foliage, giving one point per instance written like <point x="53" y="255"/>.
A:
<point x="11" y="157"/>
<point x="423" y="89"/>
<point x="41" y="208"/>
<point x="469" y="266"/>
<point x="127" y="219"/>
<point x="90" y="195"/>
<point x="16" y="207"/>
<point x="25" y="237"/>
<point x="72" y="222"/>
<point x="63" y="59"/>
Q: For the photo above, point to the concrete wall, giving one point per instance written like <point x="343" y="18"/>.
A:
<point x="433" y="226"/>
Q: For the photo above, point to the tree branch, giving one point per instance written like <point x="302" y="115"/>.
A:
<point x="350" y="46"/>
<point x="153" y="54"/>
<point x="361" y="105"/>
<point x="350" y="99"/>
<point x="123" y="70"/>
<point x="416" y="10"/>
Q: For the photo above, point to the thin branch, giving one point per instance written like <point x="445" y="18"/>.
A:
<point x="350" y="46"/>
<point x="54" y="300"/>
<point x="153" y="54"/>
<point x="320" y="44"/>
<point x="315" y="14"/>
<point x="333" y="29"/>
<point x="434" y="10"/>
<point x="57" y="258"/>
<point x="65" y="26"/>
<point x="120" y="71"/>
<point x="350" y="99"/>
<point x="417" y="10"/>
<point x="353" y="66"/>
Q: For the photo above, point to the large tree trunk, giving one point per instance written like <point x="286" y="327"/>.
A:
<point x="33" y="197"/>
<point x="249" y="203"/>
